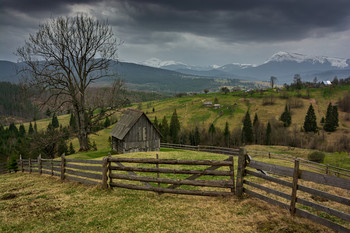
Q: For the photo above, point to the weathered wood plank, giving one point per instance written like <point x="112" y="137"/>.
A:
<point x="58" y="169"/>
<point x="130" y="173"/>
<point x="272" y="168"/>
<point x="240" y="171"/>
<point x="267" y="199"/>
<point x="195" y="176"/>
<point x="294" y="187"/>
<point x="325" y="179"/>
<point x="85" y="167"/>
<point x="49" y="173"/>
<point x="49" y="164"/>
<point x="174" y="191"/>
<point x="84" y="161"/>
<point x="322" y="221"/>
<point x="207" y="183"/>
<point x="269" y="178"/>
<point x="328" y="196"/>
<point x="266" y="189"/>
<point x="81" y="180"/>
<point x="326" y="209"/>
<point x="84" y="174"/>
<point x="174" y="171"/>
<point x="172" y="161"/>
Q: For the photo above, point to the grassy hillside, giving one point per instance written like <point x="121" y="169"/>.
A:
<point x="234" y="105"/>
<point x="33" y="203"/>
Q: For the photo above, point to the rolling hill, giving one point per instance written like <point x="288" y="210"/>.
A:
<point x="145" y="78"/>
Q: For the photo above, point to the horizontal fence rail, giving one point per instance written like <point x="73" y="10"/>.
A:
<point x="212" y="149"/>
<point x="280" y="175"/>
<point x="115" y="178"/>
<point x="324" y="168"/>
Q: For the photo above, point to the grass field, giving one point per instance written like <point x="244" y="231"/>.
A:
<point x="33" y="203"/>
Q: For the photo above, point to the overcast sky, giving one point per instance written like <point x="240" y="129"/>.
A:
<point x="196" y="32"/>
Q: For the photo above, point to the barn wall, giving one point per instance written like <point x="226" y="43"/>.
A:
<point x="142" y="137"/>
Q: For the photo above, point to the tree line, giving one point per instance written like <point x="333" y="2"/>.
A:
<point x="313" y="133"/>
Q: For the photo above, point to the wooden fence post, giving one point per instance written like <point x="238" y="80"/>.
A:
<point x="63" y="166"/>
<point x="240" y="171"/>
<point x="109" y="170"/>
<point x="232" y="169"/>
<point x="51" y="167"/>
<point x="39" y="165"/>
<point x="294" y="187"/>
<point x="327" y="169"/>
<point x="30" y="165"/>
<point x="157" y="166"/>
<point x="104" y="173"/>
<point x="21" y="162"/>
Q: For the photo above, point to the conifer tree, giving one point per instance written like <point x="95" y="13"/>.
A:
<point x="286" y="117"/>
<point x="31" y="129"/>
<point x="164" y="130"/>
<point x="22" y="131"/>
<point x="35" y="127"/>
<point x="62" y="147"/>
<point x="310" y="124"/>
<point x="227" y="135"/>
<point x="256" y="119"/>
<point x="174" y="128"/>
<point x="107" y="122"/>
<point x="155" y="122"/>
<point x="72" y="122"/>
<point x="335" y="115"/>
<point x="54" y="121"/>
<point x="268" y="134"/>
<point x="197" y="138"/>
<point x="331" y="121"/>
<point x="71" y="149"/>
<point x="256" y="125"/>
<point x="247" y="132"/>
<point x="212" y="132"/>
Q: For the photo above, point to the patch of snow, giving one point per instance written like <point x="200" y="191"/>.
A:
<point x="155" y="62"/>
<point x="299" y="58"/>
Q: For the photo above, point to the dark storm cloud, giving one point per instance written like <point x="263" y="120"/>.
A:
<point x="231" y="21"/>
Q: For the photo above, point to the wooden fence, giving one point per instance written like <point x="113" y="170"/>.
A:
<point x="265" y="172"/>
<point x="3" y="168"/>
<point x="319" y="167"/>
<point x="84" y="171"/>
<point x="123" y="172"/>
<point x="225" y="179"/>
<point x="212" y="149"/>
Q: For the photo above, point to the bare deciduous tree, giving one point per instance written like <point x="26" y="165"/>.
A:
<point x="272" y="81"/>
<point x="65" y="56"/>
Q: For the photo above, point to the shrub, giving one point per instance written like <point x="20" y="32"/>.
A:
<point x="316" y="156"/>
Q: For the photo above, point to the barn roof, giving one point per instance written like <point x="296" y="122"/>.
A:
<point x="126" y="122"/>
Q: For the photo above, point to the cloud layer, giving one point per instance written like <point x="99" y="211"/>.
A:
<point x="166" y="28"/>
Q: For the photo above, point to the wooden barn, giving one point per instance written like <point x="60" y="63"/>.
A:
<point x="134" y="132"/>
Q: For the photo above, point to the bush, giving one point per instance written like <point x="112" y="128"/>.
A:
<point x="316" y="156"/>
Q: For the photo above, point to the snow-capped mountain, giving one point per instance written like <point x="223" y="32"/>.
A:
<point x="157" y="63"/>
<point x="300" y="58"/>
<point x="282" y="65"/>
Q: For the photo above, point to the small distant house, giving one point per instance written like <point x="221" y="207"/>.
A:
<point x="134" y="132"/>
<point x="327" y="83"/>
<point x="208" y="104"/>
<point x="217" y="106"/>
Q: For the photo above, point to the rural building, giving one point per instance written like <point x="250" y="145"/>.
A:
<point x="217" y="106"/>
<point x="208" y="104"/>
<point x="134" y="132"/>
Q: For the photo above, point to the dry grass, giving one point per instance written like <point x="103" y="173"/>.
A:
<point x="45" y="204"/>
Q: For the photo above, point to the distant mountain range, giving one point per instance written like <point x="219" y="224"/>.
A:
<point x="282" y="65"/>
<point x="175" y="77"/>
<point x="146" y="78"/>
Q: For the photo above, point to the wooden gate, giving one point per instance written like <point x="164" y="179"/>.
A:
<point x="184" y="175"/>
